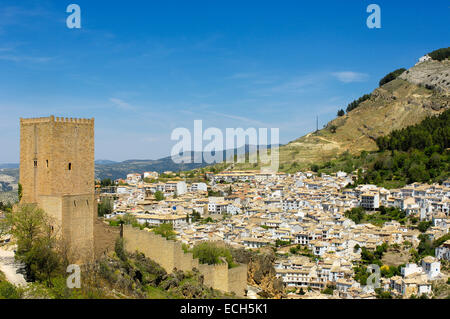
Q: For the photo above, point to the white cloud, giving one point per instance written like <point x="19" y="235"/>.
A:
<point x="350" y="76"/>
<point x="297" y="85"/>
<point x="240" y="118"/>
<point x="121" y="104"/>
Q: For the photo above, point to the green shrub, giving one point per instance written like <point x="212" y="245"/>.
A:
<point x="391" y="76"/>
<point x="440" y="54"/>
<point x="382" y="294"/>
<point x="327" y="291"/>
<point x="9" y="291"/>
<point x="353" y="105"/>
<point x="165" y="230"/>
<point x="280" y="242"/>
<point x="114" y="223"/>
<point x="424" y="225"/>
<point x="211" y="254"/>
<point x="159" y="196"/>
<point x="106" y="206"/>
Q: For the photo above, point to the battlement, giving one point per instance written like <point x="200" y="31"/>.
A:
<point x="54" y="119"/>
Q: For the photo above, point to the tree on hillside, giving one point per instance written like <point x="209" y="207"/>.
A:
<point x="20" y="192"/>
<point x="440" y="54"/>
<point x="106" y="206"/>
<point x="356" y="214"/>
<point x="341" y="112"/>
<point x="433" y="132"/>
<point x="391" y="76"/>
<point x="106" y="182"/>
<point x="36" y="242"/>
<point x="353" y="105"/>
<point x="424" y="225"/>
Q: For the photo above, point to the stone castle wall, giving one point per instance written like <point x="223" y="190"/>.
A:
<point x="170" y="255"/>
<point x="105" y="237"/>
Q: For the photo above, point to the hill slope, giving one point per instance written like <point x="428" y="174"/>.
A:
<point x="421" y="91"/>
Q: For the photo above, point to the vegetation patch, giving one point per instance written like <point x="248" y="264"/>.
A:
<point x="440" y="54"/>
<point x="212" y="254"/>
<point x="391" y="76"/>
<point x="353" y="105"/>
<point x="377" y="218"/>
<point x="418" y="153"/>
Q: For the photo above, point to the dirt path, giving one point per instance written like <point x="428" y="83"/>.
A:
<point x="9" y="267"/>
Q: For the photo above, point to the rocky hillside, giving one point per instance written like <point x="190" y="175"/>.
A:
<point x="431" y="74"/>
<point x="421" y="91"/>
<point x="121" y="275"/>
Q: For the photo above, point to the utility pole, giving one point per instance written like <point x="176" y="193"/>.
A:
<point x="317" y="123"/>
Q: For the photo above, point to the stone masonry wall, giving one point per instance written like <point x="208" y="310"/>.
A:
<point x="170" y="255"/>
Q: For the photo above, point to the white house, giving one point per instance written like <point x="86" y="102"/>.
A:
<point x="254" y="242"/>
<point x="370" y="201"/>
<point x="198" y="187"/>
<point x="443" y="251"/>
<point x="431" y="266"/>
<point x="411" y="269"/>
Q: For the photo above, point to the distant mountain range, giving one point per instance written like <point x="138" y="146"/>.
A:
<point x="104" y="162"/>
<point x="115" y="170"/>
<point x="9" y="165"/>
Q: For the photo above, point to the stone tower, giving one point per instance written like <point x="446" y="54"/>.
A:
<point x="57" y="174"/>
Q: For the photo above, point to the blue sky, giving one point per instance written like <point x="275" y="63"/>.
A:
<point x="143" y="68"/>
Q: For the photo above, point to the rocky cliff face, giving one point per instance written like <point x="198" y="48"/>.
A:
<point x="431" y="74"/>
<point x="261" y="272"/>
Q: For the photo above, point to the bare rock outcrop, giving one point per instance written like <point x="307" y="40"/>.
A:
<point x="261" y="272"/>
<point x="430" y="74"/>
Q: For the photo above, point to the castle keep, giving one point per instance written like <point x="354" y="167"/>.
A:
<point x="57" y="174"/>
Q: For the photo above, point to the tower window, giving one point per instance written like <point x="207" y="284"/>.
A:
<point x="70" y="166"/>
<point x="47" y="163"/>
<point x="35" y="163"/>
